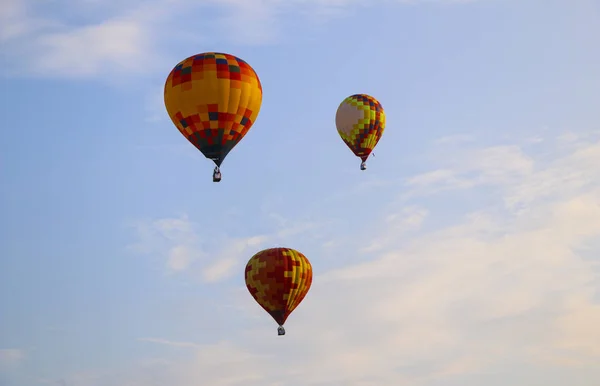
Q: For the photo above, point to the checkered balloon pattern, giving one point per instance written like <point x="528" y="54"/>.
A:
<point x="213" y="99"/>
<point x="360" y="121"/>
<point x="278" y="279"/>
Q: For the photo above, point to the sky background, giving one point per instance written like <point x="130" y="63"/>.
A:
<point x="466" y="255"/>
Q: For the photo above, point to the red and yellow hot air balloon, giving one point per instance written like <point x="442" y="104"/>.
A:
<point x="360" y="121"/>
<point x="213" y="99"/>
<point x="278" y="279"/>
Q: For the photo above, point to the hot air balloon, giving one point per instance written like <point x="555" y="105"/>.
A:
<point x="278" y="279"/>
<point x="360" y="121"/>
<point x="213" y="99"/>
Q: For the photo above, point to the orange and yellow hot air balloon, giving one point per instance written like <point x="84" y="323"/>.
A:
<point x="278" y="279"/>
<point x="213" y="99"/>
<point x="360" y="121"/>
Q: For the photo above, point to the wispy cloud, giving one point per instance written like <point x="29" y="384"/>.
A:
<point x="16" y="20"/>
<point x="395" y="224"/>
<point x="114" y="41"/>
<point x="231" y="255"/>
<point x="134" y="37"/>
<point x="10" y="357"/>
<point x="455" y="139"/>
<point x="179" y="243"/>
<point x="174" y="239"/>
<point x="495" y="165"/>
<point x="169" y="342"/>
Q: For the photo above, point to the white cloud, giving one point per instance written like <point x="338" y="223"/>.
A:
<point x="16" y="22"/>
<point x="220" y="270"/>
<point x="441" y="177"/>
<point x="117" y="42"/>
<point x="260" y="26"/>
<point x="180" y="257"/>
<point x="10" y="357"/>
<point x="174" y="239"/>
<point x="114" y="44"/>
<point x="231" y="255"/>
<point x="507" y="168"/>
<point x="136" y="37"/>
<point x="407" y="219"/>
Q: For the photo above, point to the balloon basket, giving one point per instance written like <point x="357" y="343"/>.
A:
<point x="217" y="175"/>
<point x="280" y="330"/>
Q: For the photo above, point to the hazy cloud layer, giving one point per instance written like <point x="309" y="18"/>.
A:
<point x="11" y="357"/>
<point x="497" y="287"/>
<point x="479" y="269"/>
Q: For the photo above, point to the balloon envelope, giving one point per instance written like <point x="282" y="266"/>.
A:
<point x="213" y="99"/>
<point x="278" y="279"/>
<point x="360" y="121"/>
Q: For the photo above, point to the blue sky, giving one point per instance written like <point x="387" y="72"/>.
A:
<point x="465" y="255"/>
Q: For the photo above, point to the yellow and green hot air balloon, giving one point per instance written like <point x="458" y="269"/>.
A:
<point x="360" y="121"/>
<point x="213" y="99"/>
